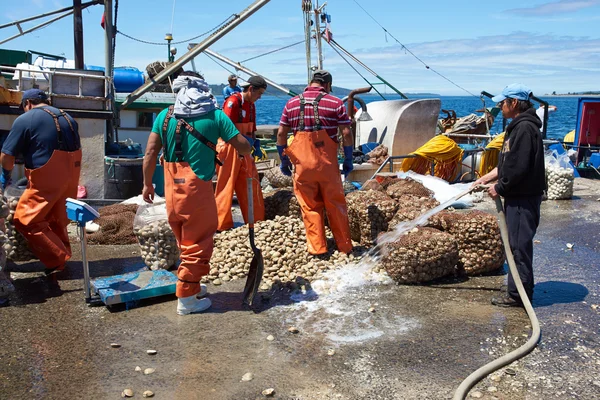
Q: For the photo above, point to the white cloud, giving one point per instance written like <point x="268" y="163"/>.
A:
<point x="554" y="8"/>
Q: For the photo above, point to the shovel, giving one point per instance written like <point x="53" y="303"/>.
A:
<point x="257" y="264"/>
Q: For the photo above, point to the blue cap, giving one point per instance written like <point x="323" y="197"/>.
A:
<point x="514" y="91"/>
<point x="34" y="94"/>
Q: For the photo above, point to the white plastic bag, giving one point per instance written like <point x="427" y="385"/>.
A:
<point x="559" y="175"/>
<point x="158" y="246"/>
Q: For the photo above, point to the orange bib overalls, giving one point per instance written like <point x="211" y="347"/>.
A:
<point x="318" y="184"/>
<point x="41" y="215"/>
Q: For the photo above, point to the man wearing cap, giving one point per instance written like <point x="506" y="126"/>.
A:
<point x="232" y="87"/>
<point x="232" y="175"/>
<point x="521" y="180"/>
<point x="315" y="117"/>
<point x="48" y="139"/>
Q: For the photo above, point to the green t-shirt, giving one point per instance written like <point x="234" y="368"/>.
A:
<point x="213" y="125"/>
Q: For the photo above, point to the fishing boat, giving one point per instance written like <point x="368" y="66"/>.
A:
<point x="586" y="142"/>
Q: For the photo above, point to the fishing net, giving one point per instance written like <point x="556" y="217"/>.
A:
<point x="478" y="236"/>
<point x="411" y="207"/>
<point x="408" y="186"/>
<point x="116" y="225"/>
<point x="369" y="212"/>
<point x="443" y="151"/>
<point x="489" y="158"/>
<point x="420" y="255"/>
<point x="277" y="179"/>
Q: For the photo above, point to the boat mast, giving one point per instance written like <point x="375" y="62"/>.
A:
<point x="311" y="10"/>
<point x="307" y="9"/>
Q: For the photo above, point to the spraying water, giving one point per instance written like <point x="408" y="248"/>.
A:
<point x="340" y="305"/>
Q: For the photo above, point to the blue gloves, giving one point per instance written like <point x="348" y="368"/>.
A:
<point x="5" y="178"/>
<point x="249" y="139"/>
<point x="257" y="150"/>
<point x="286" y="164"/>
<point x="348" y="165"/>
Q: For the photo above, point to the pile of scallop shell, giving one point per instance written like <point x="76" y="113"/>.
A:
<point x="283" y="245"/>
<point x="369" y="212"/>
<point x="15" y="246"/>
<point x="281" y="202"/>
<point x="478" y="236"/>
<point x="420" y="255"/>
<point x="158" y="246"/>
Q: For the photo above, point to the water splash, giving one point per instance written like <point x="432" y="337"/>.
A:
<point x="338" y="304"/>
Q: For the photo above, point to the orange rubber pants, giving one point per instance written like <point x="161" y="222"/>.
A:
<point x="41" y="215"/>
<point x="318" y="188"/>
<point x="192" y="214"/>
<point x="231" y="177"/>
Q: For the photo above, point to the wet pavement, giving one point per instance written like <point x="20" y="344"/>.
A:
<point x="368" y="340"/>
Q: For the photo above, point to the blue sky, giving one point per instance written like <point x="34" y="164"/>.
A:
<point x="479" y="45"/>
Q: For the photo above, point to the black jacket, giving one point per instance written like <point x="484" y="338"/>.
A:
<point x="521" y="170"/>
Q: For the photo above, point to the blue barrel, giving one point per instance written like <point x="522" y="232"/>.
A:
<point x="127" y="79"/>
<point x="158" y="179"/>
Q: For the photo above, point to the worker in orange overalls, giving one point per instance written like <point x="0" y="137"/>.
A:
<point x="48" y="139"/>
<point x="187" y="133"/>
<point x="315" y="117"/>
<point x="232" y="175"/>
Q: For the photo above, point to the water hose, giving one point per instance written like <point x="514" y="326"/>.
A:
<point x="487" y="369"/>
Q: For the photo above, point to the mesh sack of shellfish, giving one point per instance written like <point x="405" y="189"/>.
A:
<point x="294" y="208"/>
<point x="158" y="246"/>
<point x="369" y="212"/>
<point x="15" y="246"/>
<point x="407" y="186"/>
<point x="559" y="175"/>
<point x="116" y="225"/>
<point x="277" y="202"/>
<point x="560" y="182"/>
<point x="372" y="184"/>
<point x="277" y="179"/>
<point x="478" y="236"/>
<point x="420" y="255"/>
<point x="283" y="245"/>
<point x="411" y="207"/>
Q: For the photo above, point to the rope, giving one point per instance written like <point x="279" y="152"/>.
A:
<point x="411" y="53"/>
<point x="221" y="65"/>
<point x="355" y="70"/>
<point x="274" y="51"/>
<point x="441" y="150"/>
<point x="232" y="16"/>
<point x="172" y="17"/>
<point x="112" y="77"/>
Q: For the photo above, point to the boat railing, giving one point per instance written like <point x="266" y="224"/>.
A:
<point x="51" y="76"/>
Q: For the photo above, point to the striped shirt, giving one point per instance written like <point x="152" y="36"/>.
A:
<point x="332" y="112"/>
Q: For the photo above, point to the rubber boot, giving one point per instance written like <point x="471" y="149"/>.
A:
<point x="192" y="304"/>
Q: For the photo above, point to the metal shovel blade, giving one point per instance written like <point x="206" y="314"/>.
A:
<point x="254" y="276"/>
<point x="257" y="264"/>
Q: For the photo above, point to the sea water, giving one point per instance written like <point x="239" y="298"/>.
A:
<point x="560" y="122"/>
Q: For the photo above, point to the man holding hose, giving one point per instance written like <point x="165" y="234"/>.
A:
<point x="521" y="180"/>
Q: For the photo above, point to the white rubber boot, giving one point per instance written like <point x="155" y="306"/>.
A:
<point x="192" y="304"/>
<point x="203" y="291"/>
